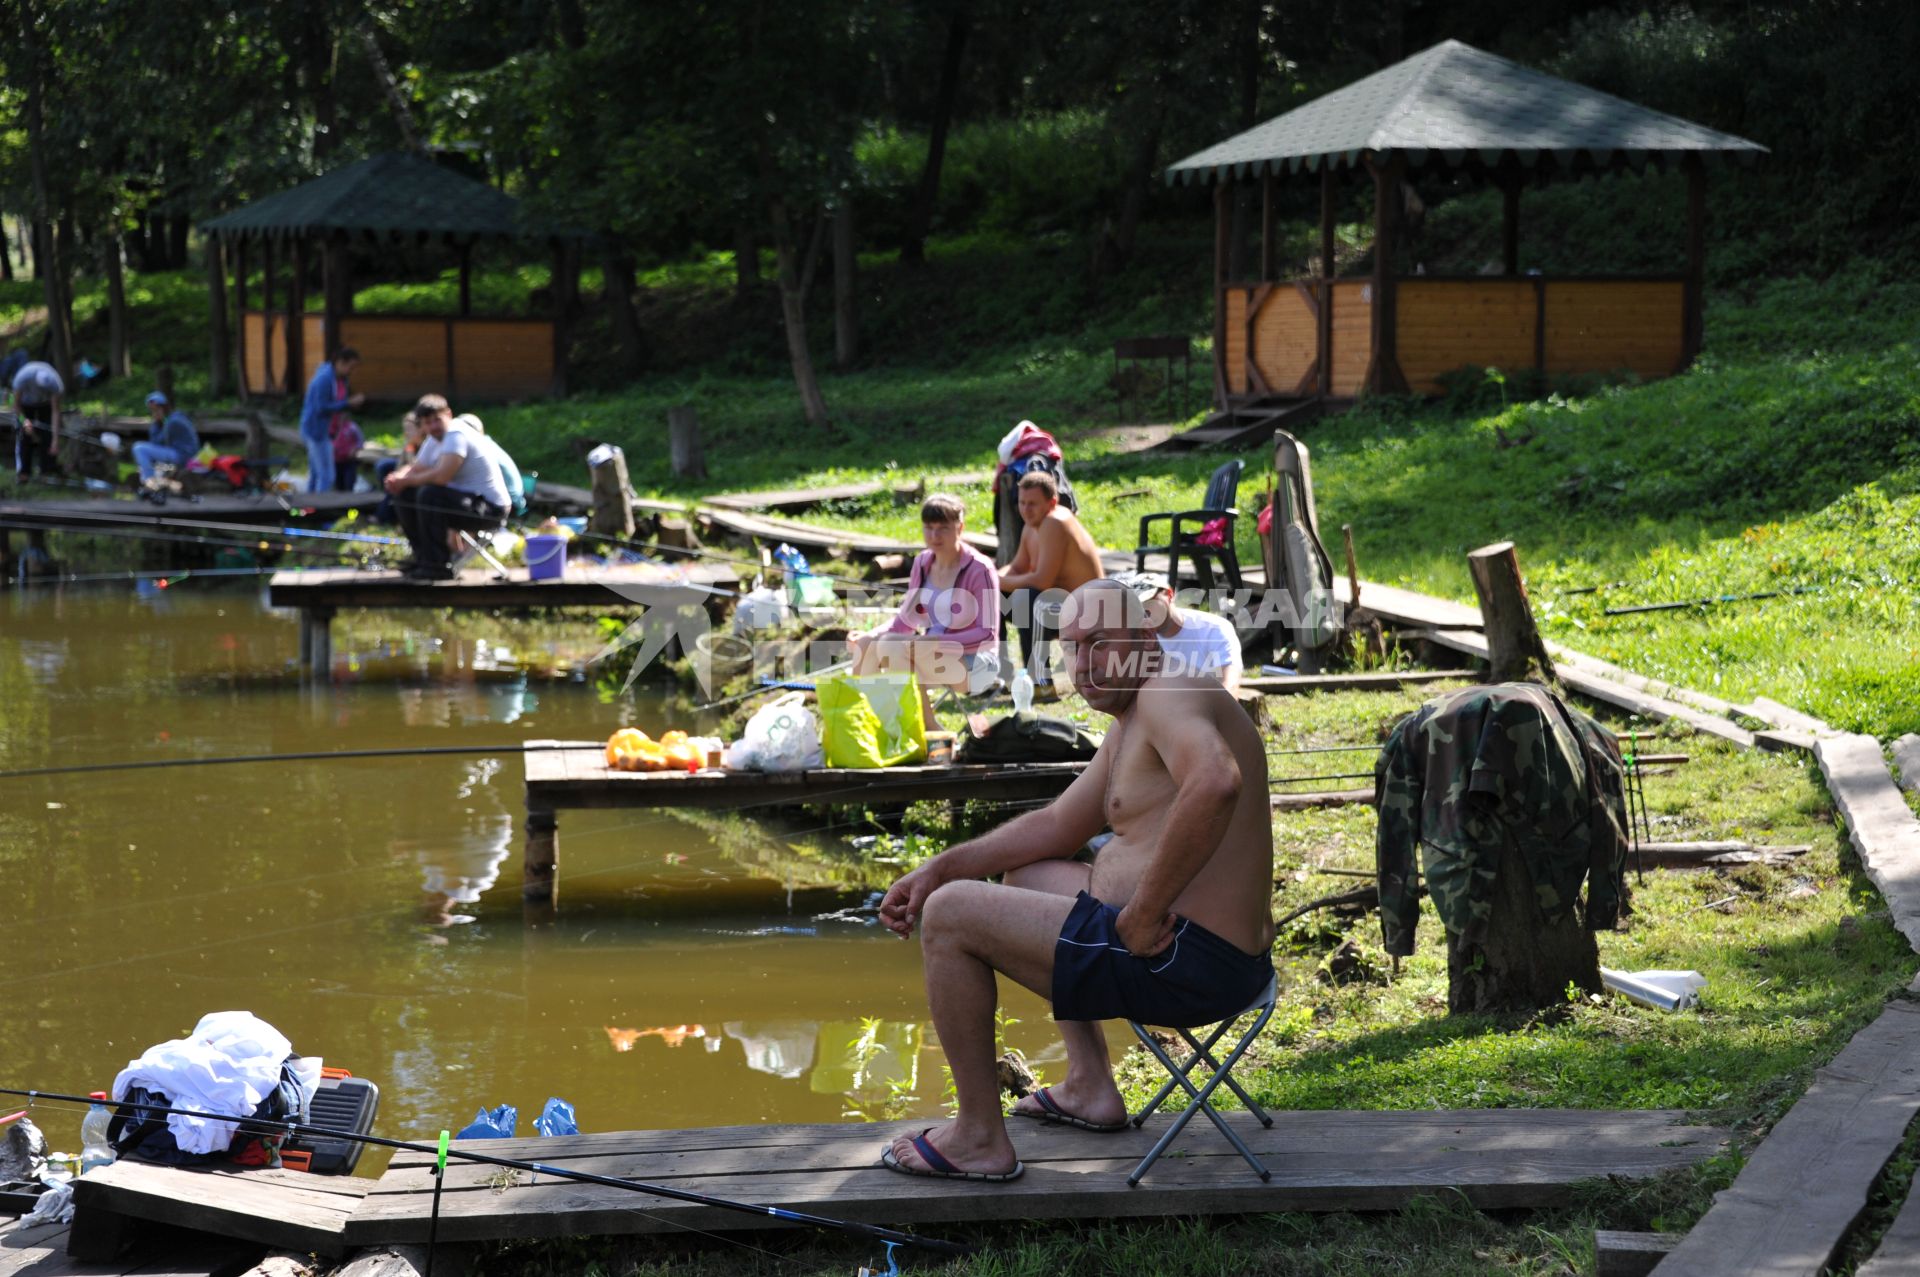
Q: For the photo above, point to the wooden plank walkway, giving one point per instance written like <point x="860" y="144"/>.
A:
<point x="1802" y="1189"/>
<point x="1879" y="823"/>
<point x="288" y="1209"/>
<point x="41" y="1251"/>
<point x="1321" y="1161"/>
<point x="291" y="507"/>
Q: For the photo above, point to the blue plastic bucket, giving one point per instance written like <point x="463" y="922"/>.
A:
<point x="546" y="557"/>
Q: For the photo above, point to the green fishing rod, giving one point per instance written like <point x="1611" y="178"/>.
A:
<point x="77" y="769"/>
<point x="262" y="1126"/>
<point x="1676" y="606"/>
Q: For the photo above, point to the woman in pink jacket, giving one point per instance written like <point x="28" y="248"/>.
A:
<point x="948" y="629"/>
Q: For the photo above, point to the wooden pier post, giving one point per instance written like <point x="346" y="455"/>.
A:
<point x="612" y="499"/>
<point x="1513" y="640"/>
<point x="316" y="643"/>
<point x="540" y="863"/>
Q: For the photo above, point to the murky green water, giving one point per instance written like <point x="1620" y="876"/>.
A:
<point x="699" y="973"/>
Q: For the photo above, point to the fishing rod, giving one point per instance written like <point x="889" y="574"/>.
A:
<point x="155" y="763"/>
<point x="112" y="518"/>
<point x="178" y="538"/>
<point x="1718" y="598"/>
<point x="166" y="578"/>
<point x="261" y="1126"/>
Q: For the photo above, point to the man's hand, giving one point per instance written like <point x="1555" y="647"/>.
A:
<point x="1143" y="934"/>
<point x="900" y="910"/>
<point x="392" y="482"/>
<point x="355" y="399"/>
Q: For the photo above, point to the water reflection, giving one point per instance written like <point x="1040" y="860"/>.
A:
<point x="370" y="909"/>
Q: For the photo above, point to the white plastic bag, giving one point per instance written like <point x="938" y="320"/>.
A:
<point x="762" y="608"/>
<point x="782" y="736"/>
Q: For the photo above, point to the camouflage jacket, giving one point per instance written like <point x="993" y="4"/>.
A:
<point x="1468" y="770"/>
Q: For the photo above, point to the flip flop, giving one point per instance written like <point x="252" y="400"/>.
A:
<point x="1054" y="1115"/>
<point x="938" y="1167"/>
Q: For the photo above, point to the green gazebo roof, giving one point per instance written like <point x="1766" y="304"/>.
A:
<point x="387" y="196"/>
<point x="1457" y="104"/>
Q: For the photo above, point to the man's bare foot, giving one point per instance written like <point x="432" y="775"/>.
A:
<point x="985" y="1154"/>
<point x="1088" y="1106"/>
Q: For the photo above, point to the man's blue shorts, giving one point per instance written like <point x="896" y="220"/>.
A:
<point x="1198" y="979"/>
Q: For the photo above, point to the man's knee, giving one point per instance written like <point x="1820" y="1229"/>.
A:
<point x="944" y="918"/>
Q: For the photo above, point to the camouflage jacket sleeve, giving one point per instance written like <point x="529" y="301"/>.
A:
<point x="1397" y="783"/>
<point x="1607" y="823"/>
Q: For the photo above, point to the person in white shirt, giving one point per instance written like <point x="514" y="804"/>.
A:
<point x="453" y="482"/>
<point x="1200" y="642"/>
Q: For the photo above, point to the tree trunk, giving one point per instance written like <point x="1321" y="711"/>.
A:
<point x="793" y="313"/>
<point x="927" y="194"/>
<point x="616" y="265"/>
<point x="1513" y="639"/>
<point x="222" y="362"/>
<point x="119" y="358"/>
<point x="6" y="253"/>
<point x="846" y="323"/>
<point x="1119" y="245"/>
<point x="337" y="274"/>
<point x="746" y="261"/>
<point x="612" y="499"/>
<point x="177" y="227"/>
<point x="1522" y="962"/>
<point x="46" y="259"/>
<point x="683" y="442"/>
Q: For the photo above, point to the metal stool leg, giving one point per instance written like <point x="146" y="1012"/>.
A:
<point x="1200" y="1098"/>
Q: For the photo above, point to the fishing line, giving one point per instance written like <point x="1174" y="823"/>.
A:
<point x="78" y="769"/>
<point x="217" y="543"/>
<point x="88" y="518"/>
<point x="171" y="577"/>
<point x="254" y="1126"/>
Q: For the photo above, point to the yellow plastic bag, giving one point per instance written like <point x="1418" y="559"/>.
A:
<point x="871" y="720"/>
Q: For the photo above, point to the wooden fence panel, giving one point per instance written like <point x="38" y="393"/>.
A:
<point x="1235" y="353"/>
<point x="401" y="356"/>
<point x="1449" y="324"/>
<point x="266" y="338"/>
<point x="1352" y="335"/>
<point x="1284" y="338"/>
<point x="1604" y="326"/>
<point x="502" y="359"/>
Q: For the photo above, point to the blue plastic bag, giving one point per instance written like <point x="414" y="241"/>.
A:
<point x="556" y="1118"/>
<point x="497" y="1125"/>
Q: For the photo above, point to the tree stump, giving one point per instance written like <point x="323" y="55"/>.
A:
<point x="1521" y="962"/>
<point x="612" y="499"/>
<point x="683" y="442"/>
<point x="1513" y="640"/>
<point x="677" y="532"/>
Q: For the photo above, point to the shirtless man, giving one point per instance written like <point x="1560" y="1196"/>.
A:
<point x="1055" y="554"/>
<point x="1171" y="925"/>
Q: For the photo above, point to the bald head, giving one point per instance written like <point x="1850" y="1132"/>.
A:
<point x="1110" y="640"/>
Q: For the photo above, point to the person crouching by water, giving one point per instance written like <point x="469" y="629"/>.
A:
<point x="948" y="629"/>
<point x="171" y="439"/>
<point x="451" y="483"/>
<point x="1170" y="925"/>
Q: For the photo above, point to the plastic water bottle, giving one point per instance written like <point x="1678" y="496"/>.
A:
<point x="95" y="1151"/>
<point x="1022" y="691"/>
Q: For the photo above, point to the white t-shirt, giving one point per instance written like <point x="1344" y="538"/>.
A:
<point x="1206" y="644"/>
<point x="477" y="475"/>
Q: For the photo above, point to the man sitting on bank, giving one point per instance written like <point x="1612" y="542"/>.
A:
<point x="1200" y="642"/>
<point x="453" y="482"/>
<point x="1056" y="553"/>
<point x="172" y="440"/>
<point x="1170" y="925"/>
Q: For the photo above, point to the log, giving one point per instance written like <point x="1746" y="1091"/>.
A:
<point x="612" y="499"/>
<point x="1513" y="640"/>
<point x="676" y="531"/>
<point x="1618" y="1254"/>
<point x="1906" y="760"/>
<point x="683" y="442"/>
<point x="402" y="1260"/>
<point x="1716" y="855"/>
<point x="1521" y="962"/>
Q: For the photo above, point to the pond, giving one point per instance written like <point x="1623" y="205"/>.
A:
<point x="702" y="971"/>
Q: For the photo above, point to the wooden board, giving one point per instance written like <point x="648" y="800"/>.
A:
<point x="1286" y="339"/>
<point x="1410" y="608"/>
<point x="269" y="1207"/>
<point x="41" y="1251"/>
<point x="566" y="778"/>
<point x="1879" y="823"/>
<point x="1617" y="1254"/>
<point x="1319" y="1160"/>
<point x="1802" y="1189"/>
<point x="1607" y="326"/>
<point x="1235" y="351"/>
<point x="1352" y="335"/>
<point x="636" y="585"/>
<point x="1379" y="681"/>
<point x="1581" y="679"/>
<point x="291" y="507"/>
<point x="1898" y="1254"/>
<point x="1323" y="798"/>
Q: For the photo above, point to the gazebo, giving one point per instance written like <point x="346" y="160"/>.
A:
<point x="1277" y="341"/>
<point x="395" y="198"/>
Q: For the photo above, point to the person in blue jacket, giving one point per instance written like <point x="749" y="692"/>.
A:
<point x="173" y="441"/>
<point x="327" y="395"/>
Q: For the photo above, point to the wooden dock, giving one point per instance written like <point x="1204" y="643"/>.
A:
<point x="42" y="1251"/>
<point x="1321" y="1161"/>
<point x="258" y="508"/>
<point x="578" y="777"/>
<point x="319" y="594"/>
